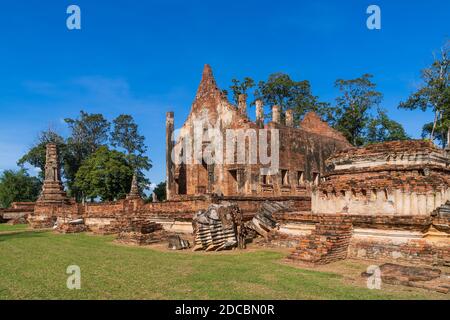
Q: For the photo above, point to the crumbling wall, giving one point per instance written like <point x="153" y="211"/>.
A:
<point x="328" y="242"/>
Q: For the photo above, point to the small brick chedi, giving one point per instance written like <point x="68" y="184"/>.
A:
<point x="385" y="201"/>
<point x="52" y="196"/>
<point x="52" y="189"/>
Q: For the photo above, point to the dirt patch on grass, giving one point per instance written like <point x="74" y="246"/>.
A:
<point x="351" y="270"/>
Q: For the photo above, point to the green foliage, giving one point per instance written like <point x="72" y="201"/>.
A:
<point x="126" y="135"/>
<point x="281" y="90"/>
<point x="381" y="129"/>
<point x="434" y="94"/>
<point x="352" y="111"/>
<point x="106" y="174"/>
<point x="17" y="186"/>
<point x="88" y="133"/>
<point x="160" y="191"/>
<point x="240" y="87"/>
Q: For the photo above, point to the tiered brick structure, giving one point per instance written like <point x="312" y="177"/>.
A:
<point x="52" y="190"/>
<point x="398" y="178"/>
<point x="134" y="191"/>
<point x="53" y="201"/>
<point x="391" y="192"/>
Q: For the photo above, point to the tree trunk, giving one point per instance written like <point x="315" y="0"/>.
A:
<point x="448" y="138"/>
<point x="436" y="113"/>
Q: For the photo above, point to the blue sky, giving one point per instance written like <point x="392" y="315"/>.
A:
<point x="145" y="57"/>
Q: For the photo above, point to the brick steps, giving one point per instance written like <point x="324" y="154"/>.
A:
<point x="328" y="242"/>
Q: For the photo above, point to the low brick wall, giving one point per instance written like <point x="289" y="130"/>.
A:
<point x="17" y="211"/>
<point x="416" y="251"/>
<point x="110" y="217"/>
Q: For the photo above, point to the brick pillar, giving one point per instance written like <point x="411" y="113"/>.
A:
<point x="276" y="114"/>
<point x="134" y="191"/>
<point x="242" y="106"/>
<point x="289" y="118"/>
<point x="169" y="147"/>
<point x="259" y="113"/>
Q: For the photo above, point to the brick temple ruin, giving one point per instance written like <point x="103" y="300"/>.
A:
<point x="386" y="201"/>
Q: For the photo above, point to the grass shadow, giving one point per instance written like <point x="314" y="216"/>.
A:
<point x="22" y="234"/>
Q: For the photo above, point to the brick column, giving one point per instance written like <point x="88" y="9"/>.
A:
<point x="169" y="148"/>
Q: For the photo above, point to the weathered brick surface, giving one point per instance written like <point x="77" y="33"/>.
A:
<point x="417" y="251"/>
<point x="141" y="232"/>
<point x="71" y="228"/>
<point x="17" y="212"/>
<point x="279" y="240"/>
<point x="396" y="178"/>
<point x="328" y="242"/>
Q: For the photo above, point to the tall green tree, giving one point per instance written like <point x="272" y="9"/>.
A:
<point x="381" y="128"/>
<point x="16" y="186"/>
<point x="434" y="95"/>
<point x="352" y="110"/>
<point x="241" y="87"/>
<point x="126" y="135"/>
<point x="106" y="175"/>
<point x="281" y="90"/>
<point x="88" y="132"/>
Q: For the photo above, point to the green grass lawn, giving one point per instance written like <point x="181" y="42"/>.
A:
<point x="33" y="266"/>
<point x="7" y="227"/>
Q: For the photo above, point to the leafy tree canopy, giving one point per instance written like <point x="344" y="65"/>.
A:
<point x="126" y="135"/>
<point x="88" y="133"/>
<point x="240" y="87"/>
<point x="381" y="128"/>
<point x="17" y="186"/>
<point x="160" y="191"/>
<point x="434" y="95"/>
<point x="281" y="90"/>
<point x="352" y="110"/>
<point x="106" y="174"/>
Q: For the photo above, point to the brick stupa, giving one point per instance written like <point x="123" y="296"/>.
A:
<point x="52" y="190"/>
<point x="134" y="191"/>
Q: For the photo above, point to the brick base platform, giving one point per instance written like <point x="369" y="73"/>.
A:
<point x="141" y="232"/>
